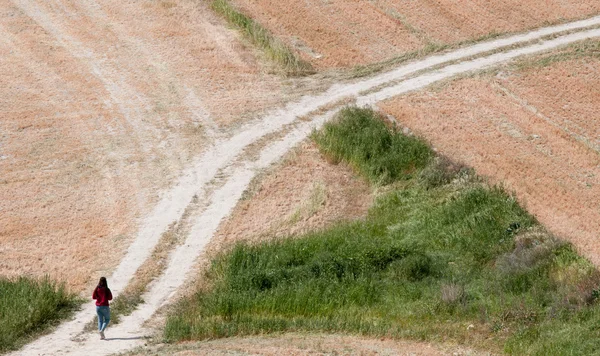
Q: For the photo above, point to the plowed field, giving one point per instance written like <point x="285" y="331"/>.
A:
<point x="340" y="33"/>
<point x="533" y="128"/>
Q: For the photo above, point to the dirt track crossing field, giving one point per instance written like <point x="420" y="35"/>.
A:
<point x="223" y="171"/>
<point x="534" y="130"/>
<point x="341" y="33"/>
<point x="103" y="104"/>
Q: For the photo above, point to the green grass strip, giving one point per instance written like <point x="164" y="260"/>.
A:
<point x="274" y="48"/>
<point x="28" y="307"/>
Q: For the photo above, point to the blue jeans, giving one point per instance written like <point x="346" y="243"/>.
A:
<point x="103" y="317"/>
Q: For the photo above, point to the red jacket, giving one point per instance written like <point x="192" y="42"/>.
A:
<point x="102" y="296"/>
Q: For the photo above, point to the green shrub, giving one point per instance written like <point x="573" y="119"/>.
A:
<point x="442" y="171"/>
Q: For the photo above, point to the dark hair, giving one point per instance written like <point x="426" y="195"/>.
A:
<point x="102" y="282"/>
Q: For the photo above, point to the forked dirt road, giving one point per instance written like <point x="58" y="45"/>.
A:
<point x="223" y="172"/>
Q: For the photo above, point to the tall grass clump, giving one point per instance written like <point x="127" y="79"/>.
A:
<point x="444" y="259"/>
<point x="274" y="48"/>
<point x="360" y="137"/>
<point x="28" y="306"/>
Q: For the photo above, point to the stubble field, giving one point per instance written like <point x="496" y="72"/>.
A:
<point x="532" y="127"/>
<point x="341" y="33"/>
<point x="103" y="104"/>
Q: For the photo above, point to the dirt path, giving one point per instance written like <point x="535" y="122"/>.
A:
<point x="222" y="173"/>
<point x="342" y="33"/>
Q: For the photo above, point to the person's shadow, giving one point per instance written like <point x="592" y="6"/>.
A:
<point x="124" y="338"/>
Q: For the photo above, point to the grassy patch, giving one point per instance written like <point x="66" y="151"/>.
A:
<point x="440" y="257"/>
<point x="274" y="49"/>
<point x="28" y="307"/>
<point x="360" y="137"/>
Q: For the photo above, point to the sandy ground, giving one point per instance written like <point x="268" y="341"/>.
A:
<point x="103" y="103"/>
<point x="342" y="33"/>
<point x="221" y="174"/>
<point x="299" y="344"/>
<point x="534" y="130"/>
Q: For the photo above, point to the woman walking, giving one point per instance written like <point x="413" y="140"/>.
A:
<point x="102" y="295"/>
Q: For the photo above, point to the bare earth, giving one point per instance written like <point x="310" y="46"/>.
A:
<point x="299" y="345"/>
<point x="103" y="103"/>
<point x="303" y="193"/>
<point x="536" y="131"/>
<point x="342" y="33"/>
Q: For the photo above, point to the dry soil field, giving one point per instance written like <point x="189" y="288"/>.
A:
<point x="102" y="103"/>
<point x="341" y="33"/>
<point x="532" y="127"/>
<point x="303" y="193"/>
<point x="301" y="345"/>
<point x="105" y="103"/>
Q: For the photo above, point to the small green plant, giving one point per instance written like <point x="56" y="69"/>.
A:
<point x="596" y="294"/>
<point x="274" y="48"/>
<point x="413" y="267"/>
<point x="29" y="306"/>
